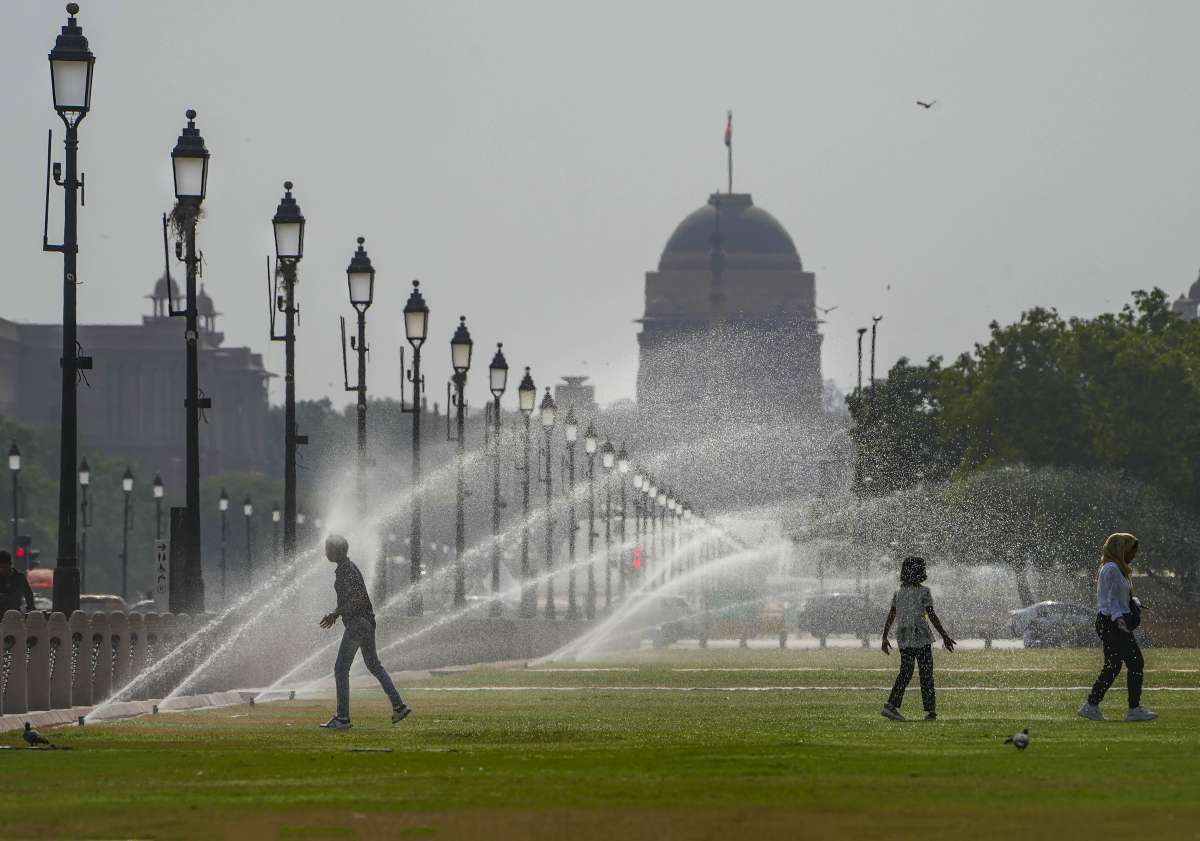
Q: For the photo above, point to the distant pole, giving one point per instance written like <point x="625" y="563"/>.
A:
<point x="861" y="332"/>
<point x="223" y="507"/>
<point x="85" y="520"/>
<point x="127" y="488"/>
<point x="571" y="431"/>
<point x="497" y="382"/>
<point x="14" y="466"/>
<point x="248" y="513"/>
<point x="549" y="411"/>
<point x="589" y="447"/>
<point x="875" y="319"/>
<point x="729" y="147"/>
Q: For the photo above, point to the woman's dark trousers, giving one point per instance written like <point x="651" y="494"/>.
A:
<point x="923" y="657"/>
<point x="1119" y="647"/>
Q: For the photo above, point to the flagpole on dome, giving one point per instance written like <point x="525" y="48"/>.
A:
<point x="729" y="147"/>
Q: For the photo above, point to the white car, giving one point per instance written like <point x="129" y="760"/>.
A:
<point x="1052" y="623"/>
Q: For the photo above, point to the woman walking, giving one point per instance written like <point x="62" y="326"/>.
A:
<point x="1117" y="610"/>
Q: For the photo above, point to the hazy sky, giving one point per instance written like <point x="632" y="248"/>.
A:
<point x="528" y="160"/>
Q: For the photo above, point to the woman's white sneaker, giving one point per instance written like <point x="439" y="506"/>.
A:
<point x="1091" y="712"/>
<point x="1140" y="714"/>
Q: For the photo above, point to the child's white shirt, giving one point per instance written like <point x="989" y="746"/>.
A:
<point x="911" y="604"/>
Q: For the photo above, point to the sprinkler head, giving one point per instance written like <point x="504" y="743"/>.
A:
<point x="80" y="721"/>
<point x="292" y="695"/>
<point x="155" y="712"/>
<point x="252" y="702"/>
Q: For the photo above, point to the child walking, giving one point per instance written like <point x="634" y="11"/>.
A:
<point x="910" y="605"/>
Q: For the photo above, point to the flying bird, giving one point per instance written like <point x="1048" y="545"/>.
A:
<point x="827" y="310"/>
<point x="33" y="737"/>
<point x="927" y="105"/>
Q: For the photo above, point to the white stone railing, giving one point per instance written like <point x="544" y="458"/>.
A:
<point x="53" y="663"/>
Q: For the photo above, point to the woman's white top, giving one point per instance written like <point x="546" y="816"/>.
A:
<point x="1112" y="592"/>
<point x="911" y="604"/>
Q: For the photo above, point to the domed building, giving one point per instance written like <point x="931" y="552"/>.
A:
<point x="730" y="352"/>
<point x="1189" y="306"/>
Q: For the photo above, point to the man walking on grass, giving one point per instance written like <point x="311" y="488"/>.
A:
<point x="358" y="618"/>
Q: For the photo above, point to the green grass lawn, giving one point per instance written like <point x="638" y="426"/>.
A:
<point x="683" y="744"/>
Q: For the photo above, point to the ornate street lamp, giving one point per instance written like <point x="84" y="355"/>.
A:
<point x="288" y="225"/>
<point x="248" y="514"/>
<point x="159" y="492"/>
<point x="223" y="507"/>
<point x="571" y="434"/>
<point x="608" y="459"/>
<point x="14" y="467"/>
<point x="549" y="416"/>
<point x="416" y="329"/>
<point x="589" y="447"/>
<point x="622" y="469"/>
<point x="189" y="165"/>
<point x="461" y="346"/>
<point x="497" y="382"/>
<point x="360" y="281"/>
<point x="85" y="521"/>
<point x="638" y="479"/>
<point x="649" y="495"/>
<point x="276" y="517"/>
<point x="71" y="65"/>
<point x="526" y="398"/>
<point x="127" y="487"/>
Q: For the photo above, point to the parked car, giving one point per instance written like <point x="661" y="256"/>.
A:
<point x="664" y="620"/>
<point x="99" y="603"/>
<point x="1048" y="611"/>
<point x="826" y="614"/>
<point x="1052" y="624"/>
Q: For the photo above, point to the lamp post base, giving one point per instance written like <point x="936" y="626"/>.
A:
<point x="66" y="589"/>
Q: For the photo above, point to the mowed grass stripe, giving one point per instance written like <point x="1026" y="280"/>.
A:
<point x="542" y="763"/>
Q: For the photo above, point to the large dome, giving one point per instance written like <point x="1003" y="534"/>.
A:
<point x="745" y="229"/>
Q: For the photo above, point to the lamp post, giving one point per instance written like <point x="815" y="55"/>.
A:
<point x="637" y="517"/>
<point x="589" y="447"/>
<point x="416" y="329"/>
<point x="622" y="469"/>
<point x="71" y="65"/>
<point x="497" y="382"/>
<point x="159" y="491"/>
<point x="527" y="397"/>
<point x="127" y="487"/>
<point x="248" y="514"/>
<point x="276" y="516"/>
<point x="549" y="414"/>
<point x="360" y="280"/>
<point x="189" y="164"/>
<point x="288" y="224"/>
<point x="460" y="358"/>
<point x="663" y="535"/>
<point x="14" y="467"/>
<point x="649" y="496"/>
<point x="85" y="520"/>
<point x="571" y="433"/>
<point x="607" y="460"/>
<point x="223" y="507"/>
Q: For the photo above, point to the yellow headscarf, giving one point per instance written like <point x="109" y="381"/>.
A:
<point x="1120" y="549"/>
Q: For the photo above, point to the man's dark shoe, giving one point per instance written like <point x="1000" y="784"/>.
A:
<point x="400" y="713"/>
<point x="336" y="723"/>
<point x="931" y="716"/>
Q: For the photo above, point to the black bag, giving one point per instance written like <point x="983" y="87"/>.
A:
<point x="1134" y="617"/>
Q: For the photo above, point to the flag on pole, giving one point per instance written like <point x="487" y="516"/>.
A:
<point x="729" y="130"/>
